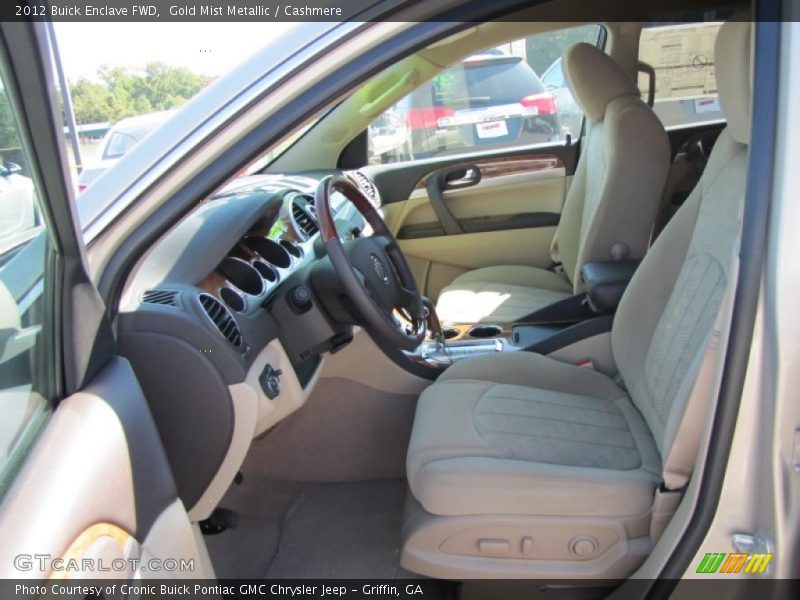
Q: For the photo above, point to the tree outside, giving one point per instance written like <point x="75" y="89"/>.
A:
<point x="544" y="48"/>
<point x="121" y="93"/>
<point x="9" y="138"/>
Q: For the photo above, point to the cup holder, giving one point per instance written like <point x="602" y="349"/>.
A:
<point x="270" y="250"/>
<point x="241" y="274"/>
<point x="485" y="331"/>
<point x="232" y="298"/>
<point x="450" y="333"/>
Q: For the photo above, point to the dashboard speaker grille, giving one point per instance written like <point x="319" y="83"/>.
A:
<point x="165" y="297"/>
<point x="222" y="318"/>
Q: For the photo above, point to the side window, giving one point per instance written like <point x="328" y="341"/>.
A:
<point x="510" y="95"/>
<point x="682" y="57"/>
<point x="25" y="362"/>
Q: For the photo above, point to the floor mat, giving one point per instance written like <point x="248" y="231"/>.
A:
<point x="310" y="530"/>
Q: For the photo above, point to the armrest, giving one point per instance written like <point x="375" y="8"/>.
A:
<point x="605" y="282"/>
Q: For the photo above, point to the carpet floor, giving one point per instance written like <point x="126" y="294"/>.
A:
<point x="312" y="530"/>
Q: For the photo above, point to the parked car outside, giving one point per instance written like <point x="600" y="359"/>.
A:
<point x="487" y="99"/>
<point x="18" y="213"/>
<point x="125" y="134"/>
<point x="389" y="139"/>
<point x="569" y="113"/>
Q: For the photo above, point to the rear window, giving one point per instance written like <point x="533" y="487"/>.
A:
<point x="682" y="56"/>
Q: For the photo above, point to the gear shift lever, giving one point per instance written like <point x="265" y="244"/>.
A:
<point x="435" y="327"/>
<point x="432" y="319"/>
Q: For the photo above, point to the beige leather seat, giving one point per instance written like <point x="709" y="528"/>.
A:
<point x="610" y="206"/>
<point x="523" y="466"/>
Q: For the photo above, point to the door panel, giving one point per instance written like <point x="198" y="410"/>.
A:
<point x="90" y="478"/>
<point x="509" y="217"/>
<point x="96" y="485"/>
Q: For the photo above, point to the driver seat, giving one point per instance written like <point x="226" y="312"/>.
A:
<point x="523" y="466"/>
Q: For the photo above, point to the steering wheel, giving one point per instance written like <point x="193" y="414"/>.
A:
<point x="373" y="270"/>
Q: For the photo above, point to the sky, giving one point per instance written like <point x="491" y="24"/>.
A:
<point x="205" y="48"/>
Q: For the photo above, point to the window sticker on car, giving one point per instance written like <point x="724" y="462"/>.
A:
<point x="492" y="129"/>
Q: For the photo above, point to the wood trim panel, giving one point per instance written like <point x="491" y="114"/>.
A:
<point x="501" y="166"/>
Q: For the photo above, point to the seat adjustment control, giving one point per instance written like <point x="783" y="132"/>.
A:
<point x="270" y="382"/>
<point x="496" y="547"/>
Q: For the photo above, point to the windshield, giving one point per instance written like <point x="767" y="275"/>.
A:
<point x="265" y="160"/>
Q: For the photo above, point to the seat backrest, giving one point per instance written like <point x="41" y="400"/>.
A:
<point x="666" y="315"/>
<point x="613" y="199"/>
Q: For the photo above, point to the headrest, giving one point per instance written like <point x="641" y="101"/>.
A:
<point x="595" y="79"/>
<point x="732" y="71"/>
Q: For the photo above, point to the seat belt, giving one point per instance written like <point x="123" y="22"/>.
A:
<point x="702" y="384"/>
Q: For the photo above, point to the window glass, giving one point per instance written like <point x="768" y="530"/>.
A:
<point x="682" y="56"/>
<point x="123" y="140"/>
<point x="510" y="95"/>
<point x="19" y="217"/>
<point x="24" y="246"/>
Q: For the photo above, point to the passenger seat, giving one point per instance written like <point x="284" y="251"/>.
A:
<point x="610" y="207"/>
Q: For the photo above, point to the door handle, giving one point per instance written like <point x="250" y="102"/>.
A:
<point x="450" y="178"/>
<point x="462" y="177"/>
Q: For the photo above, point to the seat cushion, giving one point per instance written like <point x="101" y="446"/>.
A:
<point x="519" y="433"/>
<point x="503" y="294"/>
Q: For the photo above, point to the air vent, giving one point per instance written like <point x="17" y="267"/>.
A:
<point x="303" y="215"/>
<point x="222" y="319"/>
<point x="366" y="185"/>
<point x="165" y="297"/>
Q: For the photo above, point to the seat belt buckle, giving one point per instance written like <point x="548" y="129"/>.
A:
<point x="587" y="363"/>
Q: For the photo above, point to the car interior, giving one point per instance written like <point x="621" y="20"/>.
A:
<point x="497" y="362"/>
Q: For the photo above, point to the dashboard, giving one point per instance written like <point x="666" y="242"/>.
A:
<point x="215" y="328"/>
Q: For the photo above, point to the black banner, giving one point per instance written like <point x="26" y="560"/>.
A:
<point x="390" y="589"/>
<point x="347" y="10"/>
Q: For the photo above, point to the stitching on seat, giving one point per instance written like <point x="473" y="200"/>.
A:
<point x="505" y="414"/>
<point x="562" y="439"/>
<point x="549" y="403"/>
<point x="571" y="402"/>
<point x="623" y="395"/>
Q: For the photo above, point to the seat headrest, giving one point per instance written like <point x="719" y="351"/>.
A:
<point x="595" y="79"/>
<point x="732" y="70"/>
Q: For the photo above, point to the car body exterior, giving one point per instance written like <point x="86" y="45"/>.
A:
<point x="389" y="139"/>
<point x="125" y="134"/>
<point x="18" y="213"/>
<point x="569" y="113"/>
<point x="487" y="99"/>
